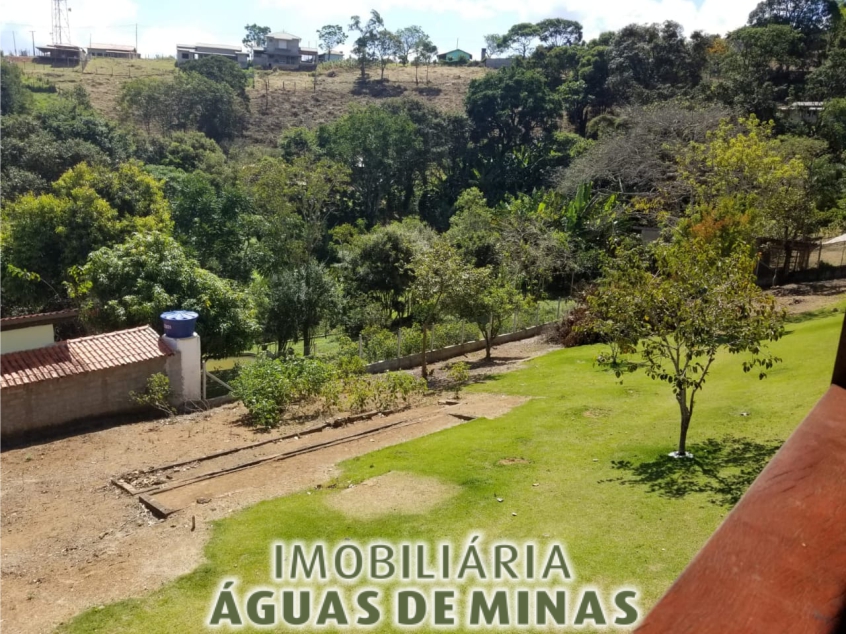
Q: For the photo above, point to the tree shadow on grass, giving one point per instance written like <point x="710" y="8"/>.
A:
<point x="721" y="468"/>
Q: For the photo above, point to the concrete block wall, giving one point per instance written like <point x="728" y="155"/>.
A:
<point x="450" y="352"/>
<point x="48" y="405"/>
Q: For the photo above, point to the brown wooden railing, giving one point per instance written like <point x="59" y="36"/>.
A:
<point x="778" y="561"/>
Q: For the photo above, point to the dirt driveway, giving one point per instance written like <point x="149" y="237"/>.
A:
<point x="72" y="540"/>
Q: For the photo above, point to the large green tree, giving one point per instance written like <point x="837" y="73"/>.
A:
<point x="132" y="283"/>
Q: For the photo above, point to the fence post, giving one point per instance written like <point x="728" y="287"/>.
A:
<point x="514" y="322"/>
<point x="558" y="310"/>
<point x="537" y="321"/>
<point x="359" y="345"/>
<point x="462" y="332"/>
<point x="203" y="384"/>
<point x="399" y="342"/>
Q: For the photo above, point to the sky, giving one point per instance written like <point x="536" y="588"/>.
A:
<point x="161" y="24"/>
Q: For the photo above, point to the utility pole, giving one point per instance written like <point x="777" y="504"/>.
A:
<point x="33" y="42"/>
<point x="14" y="44"/>
<point x="136" y="39"/>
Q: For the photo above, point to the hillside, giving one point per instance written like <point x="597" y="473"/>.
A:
<point x="287" y="99"/>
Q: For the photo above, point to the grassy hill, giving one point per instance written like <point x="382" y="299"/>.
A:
<point x="279" y="99"/>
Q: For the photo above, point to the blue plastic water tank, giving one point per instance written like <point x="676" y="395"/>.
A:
<point x="179" y="324"/>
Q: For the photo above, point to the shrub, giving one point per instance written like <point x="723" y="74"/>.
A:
<point x="156" y="394"/>
<point x="459" y="375"/>
<point x="346" y="361"/>
<point x="264" y="389"/>
<point x="379" y="344"/>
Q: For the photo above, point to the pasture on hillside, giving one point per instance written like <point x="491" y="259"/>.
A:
<point x="278" y="99"/>
<point x="583" y="462"/>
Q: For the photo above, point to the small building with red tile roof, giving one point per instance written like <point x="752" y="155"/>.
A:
<point x="78" y="379"/>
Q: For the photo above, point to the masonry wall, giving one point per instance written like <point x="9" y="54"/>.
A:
<point x="62" y="402"/>
<point x="450" y="352"/>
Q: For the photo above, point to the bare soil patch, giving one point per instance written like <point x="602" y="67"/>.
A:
<point x="510" y="461"/>
<point x="72" y="540"/>
<point x="393" y="492"/>
<point x="802" y="298"/>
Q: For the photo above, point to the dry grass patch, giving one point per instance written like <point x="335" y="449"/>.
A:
<point x="395" y="492"/>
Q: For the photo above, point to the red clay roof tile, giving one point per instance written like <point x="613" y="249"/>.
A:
<point x="77" y="356"/>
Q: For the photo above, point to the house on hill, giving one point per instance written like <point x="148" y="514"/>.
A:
<point x="455" y="56"/>
<point x="187" y="52"/>
<point x="61" y="54"/>
<point x="283" y="51"/>
<point x="334" y="55"/>
<point x="113" y="50"/>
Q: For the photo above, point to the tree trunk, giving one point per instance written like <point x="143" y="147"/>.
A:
<point x="685" y="424"/>
<point x="487" y="347"/>
<point x="424" y="371"/>
<point x="306" y="341"/>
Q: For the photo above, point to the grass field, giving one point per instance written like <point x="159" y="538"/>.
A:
<point x="287" y="99"/>
<point x="617" y="531"/>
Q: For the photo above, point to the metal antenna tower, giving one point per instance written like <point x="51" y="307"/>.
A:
<point x="61" y="22"/>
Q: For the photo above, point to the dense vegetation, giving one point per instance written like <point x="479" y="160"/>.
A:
<point x="399" y="215"/>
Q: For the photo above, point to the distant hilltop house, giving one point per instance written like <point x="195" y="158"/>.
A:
<point x="455" y="56"/>
<point x="495" y="62"/>
<point x="62" y="53"/>
<point x="333" y="55"/>
<point x="283" y="51"/>
<point x="803" y="111"/>
<point x="187" y="52"/>
<point x="112" y="50"/>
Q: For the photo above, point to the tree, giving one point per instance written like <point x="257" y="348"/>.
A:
<point x="559" y="32"/>
<point x="408" y="39"/>
<point x="424" y="53"/>
<point x="132" y="283"/>
<point x="14" y="97"/>
<point x="380" y="149"/>
<point x="828" y="81"/>
<point x="520" y="37"/>
<point x="807" y="16"/>
<point x="693" y="303"/>
<point x="256" y="37"/>
<point x="331" y="36"/>
<point x="364" y="47"/>
<point x="45" y="237"/>
<point x="494" y="45"/>
<point x="295" y="200"/>
<point x="440" y="276"/>
<point x="299" y="299"/>
<point x="386" y="46"/>
<point x="744" y="187"/>
<point x="490" y="298"/>
<point x="220" y="70"/>
<point x="513" y="115"/>
<point x="833" y="125"/>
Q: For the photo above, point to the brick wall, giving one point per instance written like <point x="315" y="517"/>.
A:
<point x="67" y="400"/>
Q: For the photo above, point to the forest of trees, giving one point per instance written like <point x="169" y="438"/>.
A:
<point x="397" y="213"/>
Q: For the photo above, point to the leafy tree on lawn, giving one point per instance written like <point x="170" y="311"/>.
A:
<point x="298" y="299"/>
<point x="331" y="36"/>
<point x="440" y="277"/>
<point x="489" y="300"/>
<point x="680" y="312"/>
<point x="256" y="37"/>
<point x="424" y="53"/>
<point x="132" y="283"/>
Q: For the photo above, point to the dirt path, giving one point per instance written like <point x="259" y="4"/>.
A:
<point x="801" y="298"/>
<point x="72" y="540"/>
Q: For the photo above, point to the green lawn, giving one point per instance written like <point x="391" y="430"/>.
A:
<point x="581" y="420"/>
